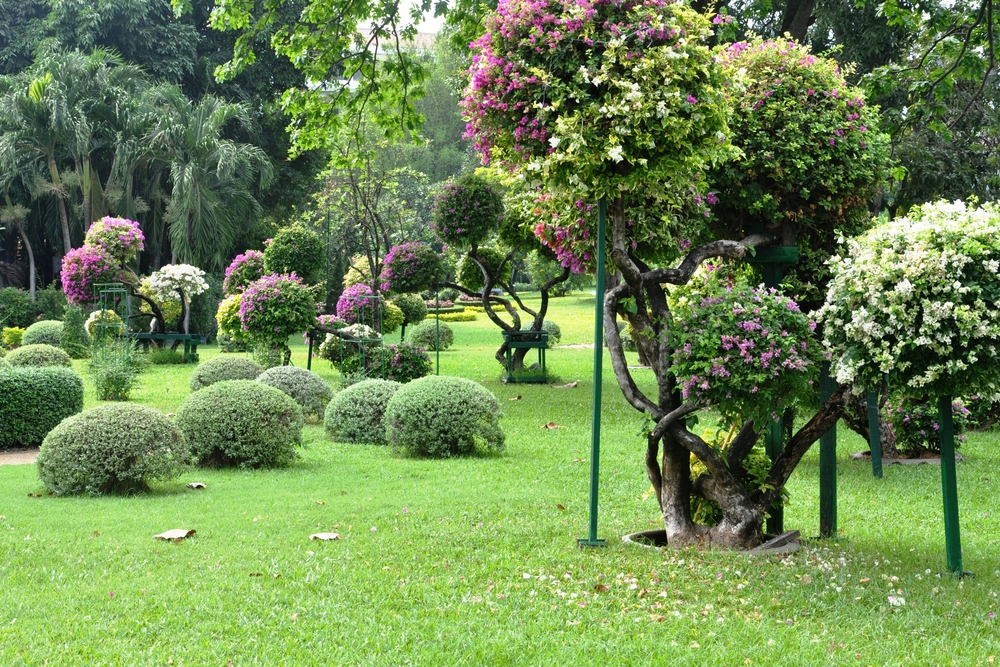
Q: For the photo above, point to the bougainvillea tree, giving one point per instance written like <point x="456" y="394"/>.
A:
<point x="470" y="213"/>
<point x="179" y="282"/>
<point x="625" y="101"/>
<point x="274" y="307"/>
<point x="121" y="238"/>
<point x="243" y="270"/>
<point x="411" y="267"/>
<point x="83" y="269"/>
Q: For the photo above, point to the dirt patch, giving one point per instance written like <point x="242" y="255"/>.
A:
<point x="577" y="346"/>
<point x="18" y="457"/>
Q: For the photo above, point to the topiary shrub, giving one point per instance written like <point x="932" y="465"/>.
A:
<point x="16" y="308"/>
<point x="413" y="307"/>
<point x="34" y="400"/>
<point x="241" y="423"/>
<point x="46" y="332"/>
<point x="355" y="414"/>
<point x="74" y="339"/>
<point x="306" y="388"/>
<point x="296" y="250"/>
<point x="111" y="448"/>
<point x="425" y="335"/>
<point x="221" y="369"/>
<point x="38" y="355"/>
<point x="406" y="362"/>
<point x="11" y="336"/>
<point x="555" y="333"/>
<point x="442" y="416"/>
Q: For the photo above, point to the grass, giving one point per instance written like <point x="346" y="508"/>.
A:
<point x="472" y="561"/>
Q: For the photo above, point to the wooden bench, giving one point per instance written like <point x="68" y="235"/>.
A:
<point x="190" y="342"/>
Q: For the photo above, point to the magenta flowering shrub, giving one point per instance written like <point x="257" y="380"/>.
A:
<point x="411" y="267"/>
<point x="405" y="362"/>
<point x="82" y="269"/>
<point x="244" y="269"/>
<point x="916" y="423"/>
<point x="119" y="237"/>
<point x="356" y="304"/>
<point x="748" y="352"/>
<point x="467" y="211"/>
<point x="276" y="306"/>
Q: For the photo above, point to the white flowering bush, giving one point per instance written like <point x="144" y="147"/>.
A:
<point x="918" y="299"/>
<point x="175" y="281"/>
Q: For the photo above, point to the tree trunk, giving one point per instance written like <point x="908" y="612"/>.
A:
<point x="185" y="312"/>
<point x="87" y="212"/>
<point x="60" y="204"/>
<point x="31" y="257"/>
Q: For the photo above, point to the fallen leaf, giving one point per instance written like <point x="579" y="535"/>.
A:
<point x="551" y="425"/>
<point x="277" y="576"/>
<point x="516" y="398"/>
<point x="97" y="533"/>
<point x="34" y="495"/>
<point x="601" y="588"/>
<point x="295" y="617"/>
<point x="195" y="485"/>
<point x="256" y="574"/>
<point x="176" y="534"/>
<point x="561" y="506"/>
<point x="571" y="385"/>
<point x="659" y="618"/>
<point x="325" y="536"/>
<point x="321" y="502"/>
<point x="579" y="460"/>
<point x="865" y="580"/>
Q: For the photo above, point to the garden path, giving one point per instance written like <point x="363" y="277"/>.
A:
<point x="18" y="457"/>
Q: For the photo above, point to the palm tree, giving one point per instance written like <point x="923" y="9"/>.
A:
<point x="211" y="177"/>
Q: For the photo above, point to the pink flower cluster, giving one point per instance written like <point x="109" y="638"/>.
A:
<point x="84" y="268"/>
<point x="410" y="267"/>
<point x="243" y="270"/>
<point x="119" y="237"/>
<point x="354" y="301"/>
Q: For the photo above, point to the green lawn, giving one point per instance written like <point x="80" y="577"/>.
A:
<point x="473" y="561"/>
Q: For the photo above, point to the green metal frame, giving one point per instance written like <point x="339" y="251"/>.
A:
<point x="532" y="340"/>
<point x="827" y="461"/>
<point x="949" y="487"/>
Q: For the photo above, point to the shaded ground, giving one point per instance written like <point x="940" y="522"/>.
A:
<point x="18" y="457"/>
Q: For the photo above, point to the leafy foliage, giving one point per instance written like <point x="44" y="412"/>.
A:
<point x="276" y="306"/>
<point x="406" y="362"/>
<point x="39" y="354"/>
<point x="298" y="251"/>
<point x="48" y="332"/>
<point x="441" y="416"/>
<point x="916" y="424"/>
<point x="470" y="275"/>
<point x="221" y="369"/>
<point x="467" y="211"/>
<point x="83" y="269"/>
<point x="355" y="414"/>
<point x="425" y="335"/>
<point x="307" y="389"/>
<point x="115" y="368"/>
<point x="413" y="307"/>
<point x="33" y="400"/>
<point x="16" y="308"/>
<point x="111" y="449"/>
<point x="119" y="237"/>
<point x="241" y="423"/>
<point x="73" y="337"/>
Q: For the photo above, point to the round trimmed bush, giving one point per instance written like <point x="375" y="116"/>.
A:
<point x="442" y="416"/>
<point x="424" y="335"/>
<point x="221" y="369"/>
<point x="413" y="307"/>
<point x="39" y="355"/>
<point x="306" y="388"/>
<point x="117" y="447"/>
<point x="355" y="414"/>
<point x="241" y="423"/>
<point x="47" y="332"/>
<point x="33" y="400"/>
<point x="555" y="333"/>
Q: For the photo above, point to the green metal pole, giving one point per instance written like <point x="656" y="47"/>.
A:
<point x="874" y="436"/>
<point x="949" y="487"/>
<point x="773" y="434"/>
<point x="437" y="331"/>
<point x="827" y="461"/>
<point x="595" y="425"/>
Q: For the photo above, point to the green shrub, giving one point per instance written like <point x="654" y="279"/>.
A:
<point x="221" y="369"/>
<point x="306" y="388"/>
<point x="111" y="448"/>
<point x="442" y="416"/>
<point x="241" y="423"/>
<point x="424" y="335"/>
<point x="51" y="303"/>
<point x="355" y="414"/>
<point x="228" y="343"/>
<point x="555" y="333"/>
<point x="34" y="400"/>
<point x="16" y="308"/>
<point x="115" y="369"/>
<point x="413" y="307"/>
<point x="161" y="356"/>
<point x="203" y="307"/>
<point x="38" y="355"/>
<point x="3" y="364"/>
<point x="392" y="318"/>
<point x="75" y="340"/>
<point x="45" y="332"/>
<point x="295" y="249"/>
<point x="11" y="336"/>
<point x="463" y="316"/>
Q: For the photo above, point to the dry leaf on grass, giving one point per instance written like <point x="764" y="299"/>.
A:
<point x="551" y="425"/>
<point x="571" y="385"/>
<point x="600" y="588"/>
<point x="195" y="485"/>
<point x="516" y="398"/>
<point x="321" y="502"/>
<point x="579" y="460"/>
<point x="325" y="536"/>
<point x="561" y="506"/>
<point x="176" y="534"/>
<point x="34" y="495"/>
